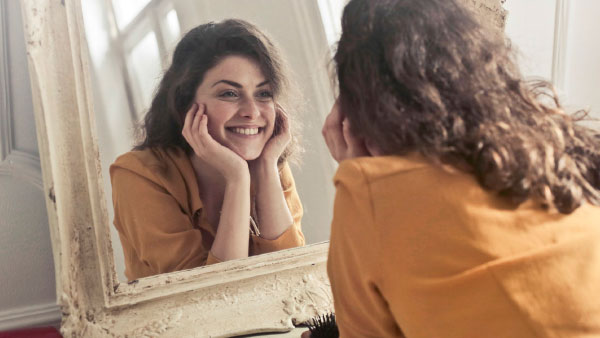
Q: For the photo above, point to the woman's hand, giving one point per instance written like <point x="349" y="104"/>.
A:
<point x="340" y="141"/>
<point x="221" y="158"/>
<point x="276" y="145"/>
<point x="273" y="213"/>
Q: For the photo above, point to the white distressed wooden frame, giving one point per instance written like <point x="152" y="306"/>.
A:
<point x="269" y="292"/>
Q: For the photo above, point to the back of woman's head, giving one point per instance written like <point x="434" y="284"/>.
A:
<point x="426" y="76"/>
<point x="199" y="50"/>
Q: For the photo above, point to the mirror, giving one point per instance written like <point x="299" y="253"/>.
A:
<point x="130" y="45"/>
<point x="287" y="287"/>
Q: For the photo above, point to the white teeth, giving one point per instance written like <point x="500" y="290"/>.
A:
<point x="245" y="131"/>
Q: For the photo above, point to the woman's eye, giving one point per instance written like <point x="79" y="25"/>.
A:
<point x="228" y="94"/>
<point x="265" y="94"/>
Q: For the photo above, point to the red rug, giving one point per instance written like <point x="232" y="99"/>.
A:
<point x="42" y="332"/>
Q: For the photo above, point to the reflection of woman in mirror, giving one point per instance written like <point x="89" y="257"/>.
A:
<point x="210" y="181"/>
<point x="466" y="203"/>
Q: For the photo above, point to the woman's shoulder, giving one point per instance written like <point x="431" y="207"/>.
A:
<point x="148" y="161"/>
<point x="379" y="167"/>
<point x="407" y="175"/>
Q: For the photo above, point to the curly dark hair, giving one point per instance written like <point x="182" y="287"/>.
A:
<point x="426" y="76"/>
<point x="199" y="50"/>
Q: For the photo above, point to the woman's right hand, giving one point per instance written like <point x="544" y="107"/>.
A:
<point x="341" y="142"/>
<point x="221" y="158"/>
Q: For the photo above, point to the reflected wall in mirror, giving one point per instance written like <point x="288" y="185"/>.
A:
<point x="131" y="44"/>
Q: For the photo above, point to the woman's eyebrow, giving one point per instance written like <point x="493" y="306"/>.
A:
<point x="229" y="82"/>
<point x="237" y="85"/>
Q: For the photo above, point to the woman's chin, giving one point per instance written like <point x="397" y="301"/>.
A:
<point x="248" y="155"/>
<point x="247" y="152"/>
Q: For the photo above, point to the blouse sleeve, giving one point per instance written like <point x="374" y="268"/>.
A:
<point x="293" y="236"/>
<point x="354" y="260"/>
<point x="160" y="232"/>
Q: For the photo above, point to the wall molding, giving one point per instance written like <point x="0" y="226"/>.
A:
<point x="13" y="162"/>
<point x="18" y="164"/>
<point x="22" y="165"/>
<point x="5" y="130"/>
<point x="559" y="49"/>
<point x="31" y="316"/>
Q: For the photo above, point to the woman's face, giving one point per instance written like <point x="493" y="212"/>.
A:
<point x="239" y="105"/>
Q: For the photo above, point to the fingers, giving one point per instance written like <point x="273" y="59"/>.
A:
<point x="189" y="116"/>
<point x="333" y="133"/>
<point x="195" y="127"/>
<point x="342" y="143"/>
<point x="284" y="127"/>
<point x="187" y="123"/>
<point x="203" y="138"/>
<point x="198" y="115"/>
<point x="348" y="138"/>
<point x="355" y="146"/>
<point x="203" y="121"/>
<point x="280" y="138"/>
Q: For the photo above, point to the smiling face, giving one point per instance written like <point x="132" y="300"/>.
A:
<point x="239" y="104"/>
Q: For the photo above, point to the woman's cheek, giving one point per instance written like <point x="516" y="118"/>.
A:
<point x="217" y="115"/>
<point x="213" y="120"/>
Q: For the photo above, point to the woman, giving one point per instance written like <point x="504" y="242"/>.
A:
<point x="210" y="181"/>
<point x="466" y="204"/>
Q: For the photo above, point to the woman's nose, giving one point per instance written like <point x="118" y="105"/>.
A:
<point x="249" y="109"/>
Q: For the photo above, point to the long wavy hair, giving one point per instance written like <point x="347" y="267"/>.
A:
<point x="199" y="50"/>
<point x="426" y="76"/>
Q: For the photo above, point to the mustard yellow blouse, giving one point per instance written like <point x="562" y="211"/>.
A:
<point x="158" y="214"/>
<point x="421" y="251"/>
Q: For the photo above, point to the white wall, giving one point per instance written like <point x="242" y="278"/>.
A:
<point x="559" y="41"/>
<point x="534" y="38"/>
<point x="27" y="284"/>
<point x="582" y="81"/>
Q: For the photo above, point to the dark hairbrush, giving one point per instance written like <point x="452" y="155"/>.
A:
<point x="323" y="326"/>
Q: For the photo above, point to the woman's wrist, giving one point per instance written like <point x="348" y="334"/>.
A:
<point x="261" y="169"/>
<point x="237" y="177"/>
<point x="237" y="173"/>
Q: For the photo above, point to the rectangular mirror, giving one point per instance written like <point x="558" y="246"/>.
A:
<point x="130" y="47"/>
<point x="269" y="292"/>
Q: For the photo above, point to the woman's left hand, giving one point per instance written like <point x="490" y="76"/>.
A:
<point x="277" y="143"/>
<point x="340" y="141"/>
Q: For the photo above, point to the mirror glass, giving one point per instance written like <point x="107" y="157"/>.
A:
<point x="130" y="45"/>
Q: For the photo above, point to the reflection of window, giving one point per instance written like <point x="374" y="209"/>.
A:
<point x="172" y="30"/>
<point x="125" y="11"/>
<point x="144" y="66"/>
<point x="144" y="32"/>
<point x="331" y="14"/>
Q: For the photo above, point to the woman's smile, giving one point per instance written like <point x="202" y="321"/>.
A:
<point x="245" y="131"/>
